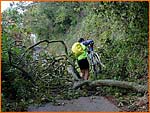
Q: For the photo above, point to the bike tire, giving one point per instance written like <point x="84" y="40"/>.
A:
<point x="97" y="65"/>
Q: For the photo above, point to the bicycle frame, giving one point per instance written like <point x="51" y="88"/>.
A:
<point x="92" y="63"/>
<point x="95" y="62"/>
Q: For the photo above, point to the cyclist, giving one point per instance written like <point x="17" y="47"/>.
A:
<point x="82" y="59"/>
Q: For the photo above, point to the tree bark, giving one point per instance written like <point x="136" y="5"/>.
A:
<point x="109" y="82"/>
<point x="71" y="70"/>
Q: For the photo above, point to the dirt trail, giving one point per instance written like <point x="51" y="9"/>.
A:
<point x="94" y="103"/>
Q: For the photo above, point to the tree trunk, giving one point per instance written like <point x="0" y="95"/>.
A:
<point x="107" y="82"/>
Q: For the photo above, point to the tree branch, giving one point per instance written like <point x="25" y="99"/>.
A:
<point x="47" y="41"/>
<point x="24" y="73"/>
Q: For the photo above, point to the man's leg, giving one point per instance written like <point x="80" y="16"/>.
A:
<point x="86" y="76"/>
<point x="82" y="73"/>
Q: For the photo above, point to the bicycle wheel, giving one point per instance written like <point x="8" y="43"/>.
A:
<point x="97" y="65"/>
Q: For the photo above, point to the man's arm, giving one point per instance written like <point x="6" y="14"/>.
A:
<point x="87" y="42"/>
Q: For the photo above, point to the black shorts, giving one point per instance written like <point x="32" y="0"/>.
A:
<point x="83" y="64"/>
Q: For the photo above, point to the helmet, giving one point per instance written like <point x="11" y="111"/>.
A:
<point x="81" y="40"/>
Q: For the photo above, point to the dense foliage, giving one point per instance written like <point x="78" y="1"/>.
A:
<point x="119" y="30"/>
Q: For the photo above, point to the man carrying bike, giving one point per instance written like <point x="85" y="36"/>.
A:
<point x="81" y="47"/>
<point x="89" y="43"/>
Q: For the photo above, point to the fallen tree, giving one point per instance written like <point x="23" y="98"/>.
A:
<point x="108" y="82"/>
<point x="77" y="79"/>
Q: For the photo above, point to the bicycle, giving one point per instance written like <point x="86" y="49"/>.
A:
<point x="95" y="62"/>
